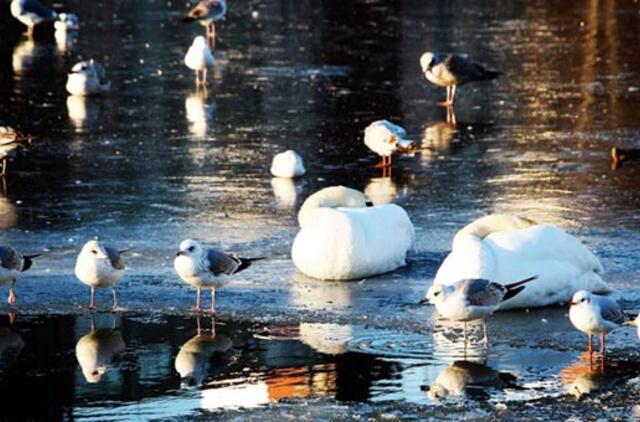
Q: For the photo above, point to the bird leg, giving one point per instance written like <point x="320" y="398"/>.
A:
<point x="115" y="300"/>
<point x="590" y="344"/>
<point x="486" y="335"/>
<point x="198" y="300"/>
<point x="197" y="78"/>
<point x="464" y="336"/>
<point x="453" y="94"/>
<point x="12" y="316"/>
<point x="198" y="324"/>
<point x="213" y="300"/>
<point x="12" y="295"/>
<point x="602" y="345"/>
<point x="382" y="164"/>
<point x="92" y="305"/>
<point x="204" y="77"/>
<point x="211" y="35"/>
<point x="4" y="167"/>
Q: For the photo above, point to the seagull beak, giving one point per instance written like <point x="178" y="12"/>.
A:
<point x="180" y="253"/>
<point x="634" y="322"/>
<point x="424" y="301"/>
<point x="570" y="304"/>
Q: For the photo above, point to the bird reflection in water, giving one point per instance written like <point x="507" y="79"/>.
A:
<point x="199" y="113"/>
<point x="438" y="137"/>
<point x="286" y="191"/>
<point x="587" y="376"/>
<point x="470" y="379"/>
<point x="96" y="350"/>
<point x="65" y="40"/>
<point x="381" y="190"/>
<point x="194" y="360"/>
<point x="11" y="345"/>
<point x="620" y="155"/>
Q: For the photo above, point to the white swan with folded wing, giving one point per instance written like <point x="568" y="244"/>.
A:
<point x="503" y="248"/>
<point x="341" y="238"/>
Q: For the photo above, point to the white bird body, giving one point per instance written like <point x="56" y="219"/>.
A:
<point x="95" y="351"/>
<point x="31" y="12"/>
<point x="66" y="22"/>
<point x="594" y="314"/>
<point x="95" y="268"/>
<point x="384" y="138"/>
<point x="87" y="78"/>
<point x="199" y="55"/>
<point x="287" y="164"/>
<point x="341" y="238"/>
<point x="504" y="248"/>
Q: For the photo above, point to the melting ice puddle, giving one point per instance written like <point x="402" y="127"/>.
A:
<point x="133" y="366"/>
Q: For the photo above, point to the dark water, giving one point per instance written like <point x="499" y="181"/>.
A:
<point x="154" y="162"/>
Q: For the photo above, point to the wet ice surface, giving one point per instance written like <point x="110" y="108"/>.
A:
<point x="153" y="163"/>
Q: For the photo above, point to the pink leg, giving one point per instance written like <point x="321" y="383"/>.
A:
<point x="198" y="300"/>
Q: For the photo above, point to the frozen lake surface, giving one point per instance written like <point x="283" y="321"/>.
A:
<point x="154" y="162"/>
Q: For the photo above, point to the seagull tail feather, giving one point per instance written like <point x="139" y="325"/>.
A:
<point x="28" y="261"/>
<point x="520" y="283"/>
<point x="246" y="263"/>
<point x="515" y="288"/>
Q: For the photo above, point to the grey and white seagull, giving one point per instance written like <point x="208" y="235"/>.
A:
<point x="208" y="12"/>
<point x="11" y="265"/>
<point x="449" y="71"/>
<point x="207" y="268"/>
<point x="595" y="314"/>
<point x="31" y="13"/>
<point x="471" y="299"/>
<point x="100" y="267"/>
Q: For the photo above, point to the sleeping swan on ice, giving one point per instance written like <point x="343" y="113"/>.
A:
<point x="506" y="248"/>
<point x="341" y="238"/>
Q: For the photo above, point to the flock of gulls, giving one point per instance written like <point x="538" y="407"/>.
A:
<point x="496" y="262"/>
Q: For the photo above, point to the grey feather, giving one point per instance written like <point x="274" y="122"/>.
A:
<point x="610" y="310"/>
<point x="481" y="292"/>
<point x="9" y="258"/>
<point x="114" y="258"/>
<point x="37" y="8"/>
<point x="460" y="68"/>
<point x="221" y="263"/>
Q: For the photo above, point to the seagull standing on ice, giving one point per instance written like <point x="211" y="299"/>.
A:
<point x="471" y="299"/>
<point x="207" y="268"/>
<point x="66" y="22"/>
<point x="87" y="78"/>
<point x="199" y="58"/>
<point x="31" y="13"/>
<point x="451" y="70"/>
<point x="595" y="314"/>
<point x="100" y="267"/>
<point x="11" y="265"/>
<point x="385" y="138"/>
<point x="208" y="12"/>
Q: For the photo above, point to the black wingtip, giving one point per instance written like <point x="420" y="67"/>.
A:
<point x="512" y="292"/>
<point x="521" y="282"/>
<point x="187" y="19"/>
<point x="246" y="263"/>
<point x="28" y="261"/>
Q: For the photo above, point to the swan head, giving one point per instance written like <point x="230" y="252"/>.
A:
<point x="331" y="197"/>
<point x="426" y="61"/>
<point x="580" y="298"/>
<point x="190" y="248"/>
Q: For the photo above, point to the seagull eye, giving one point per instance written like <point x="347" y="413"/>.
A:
<point x="436" y="293"/>
<point x="191" y="248"/>
<point x="93" y="251"/>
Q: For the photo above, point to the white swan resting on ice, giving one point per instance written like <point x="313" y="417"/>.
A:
<point x="341" y="238"/>
<point x="506" y="248"/>
<point x="287" y="164"/>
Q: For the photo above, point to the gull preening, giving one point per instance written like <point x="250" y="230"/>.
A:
<point x="87" y="78"/>
<point x="471" y="299"/>
<point x="10" y="139"/>
<point x="32" y="13"/>
<point x="207" y="268"/>
<point x="199" y="58"/>
<point x="100" y="267"/>
<point x="12" y="263"/>
<point x="341" y="238"/>
<point x="207" y="13"/>
<point x="385" y="138"/>
<point x="452" y="70"/>
<point x="595" y="314"/>
<point x="503" y="248"/>
<point x="287" y="164"/>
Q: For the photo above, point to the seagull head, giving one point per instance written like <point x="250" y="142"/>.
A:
<point x="437" y="391"/>
<point x="85" y="67"/>
<point x="580" y="298"/>
<point x="427" y="61"/>
<point x="190" y="248"/>
<point x="94" y="249"/>
<point x="436" y="293"/>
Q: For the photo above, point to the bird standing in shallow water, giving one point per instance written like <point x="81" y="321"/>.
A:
<point x="199" y="58"/>
<point x="11" y="265"/>
<point x="453" y="70"/>
<point x="207" y="268"/>
<point x="595" y="314"/>
<point x="87" y="78"/>
<point x="31" y="13"/>
<point x="100" y="267"/>
<point x="208" y="12"/>
<point x="384" y="138"/>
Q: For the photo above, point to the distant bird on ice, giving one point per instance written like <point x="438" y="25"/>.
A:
<point x="11" y="265"/>
<point x="66" y="22"/>
<point x="10" y="139"/>
<point x="32" y="13"/>
<point x="199" y="58"/>
<point x="87" y="78"/>
<point x="595" y="314"/>
<point x="287" y="164"/>
<point x="384" y="138"/>
<point x="207" y="268"/>
<point x="208" y="12"/>
<point x="452" y="70"/>
<point x="100" y="267"/>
